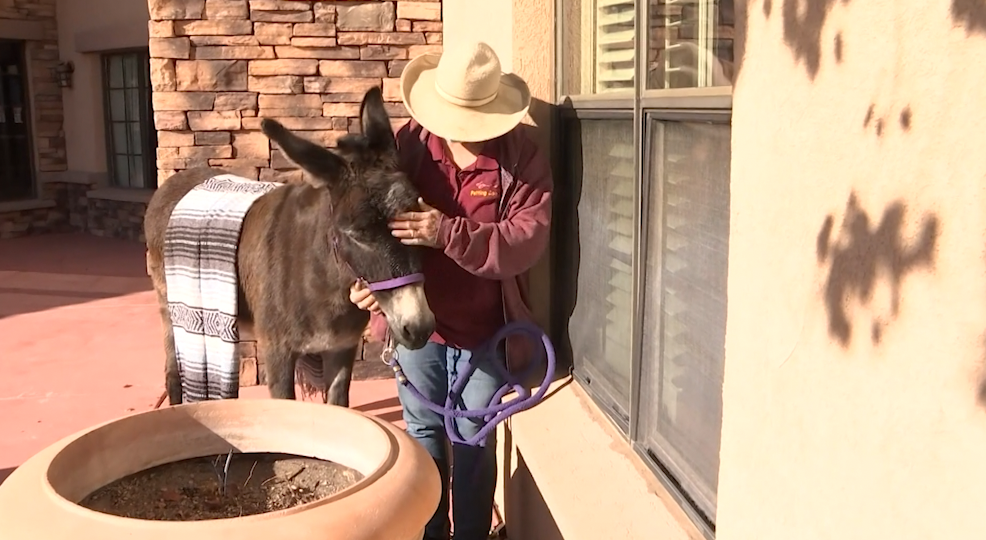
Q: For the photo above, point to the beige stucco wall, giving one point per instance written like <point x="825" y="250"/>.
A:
<point x="86" y="28"/>
<point x="872" y="429"/>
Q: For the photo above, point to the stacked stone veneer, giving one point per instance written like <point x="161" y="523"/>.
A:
<point x="65" y="210"/>
<point x="219" y="66"/>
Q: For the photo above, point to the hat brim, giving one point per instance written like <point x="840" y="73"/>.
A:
<point x="455" y="122"/>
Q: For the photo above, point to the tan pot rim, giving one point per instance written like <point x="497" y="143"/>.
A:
<point x="397" y="471"/>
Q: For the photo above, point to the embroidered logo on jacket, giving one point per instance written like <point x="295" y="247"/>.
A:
<point x="484" y="189"/>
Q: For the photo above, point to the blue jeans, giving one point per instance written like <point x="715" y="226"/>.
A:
<point x="432" y="370"/>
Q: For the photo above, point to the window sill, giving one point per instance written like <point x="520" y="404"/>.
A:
<point x="567" y="473"/>
<point x="28" y="204"/>
<point x="133" y="195"/>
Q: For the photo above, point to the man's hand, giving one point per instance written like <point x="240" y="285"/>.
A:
<point x="360" y="295"/>
<point x="418" y="228"/>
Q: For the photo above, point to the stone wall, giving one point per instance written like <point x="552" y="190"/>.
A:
<point x="111" y="218"/>
<point x="63" y="209"/>
<point x="219" y="66"/>
<point x="44" y="94"/>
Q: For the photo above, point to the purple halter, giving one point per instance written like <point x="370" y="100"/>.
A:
<point x="384" y="285"/>
<point x="394" y="283"/>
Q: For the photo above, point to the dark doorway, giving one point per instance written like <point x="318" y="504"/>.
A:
<point x="16" y="172"/>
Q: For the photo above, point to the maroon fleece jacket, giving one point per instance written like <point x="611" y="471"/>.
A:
<point x="507" y="248"/>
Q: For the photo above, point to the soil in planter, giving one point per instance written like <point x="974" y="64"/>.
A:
<point x="192" y="490"/>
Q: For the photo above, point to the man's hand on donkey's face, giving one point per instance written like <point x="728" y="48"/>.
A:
<point x="418" y="228"/>
<point x="363" y="298"/>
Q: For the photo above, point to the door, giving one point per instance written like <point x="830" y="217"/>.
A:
<point x="16" y="172"/>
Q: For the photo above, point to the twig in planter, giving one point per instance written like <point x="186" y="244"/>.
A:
<point x="296" y="473"/>
<point x="249" y="476"/>
<point x="226" y="470"/>
<point x="219" y="476"/>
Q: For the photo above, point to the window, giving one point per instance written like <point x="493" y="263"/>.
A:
<point x="645" y="126"/>
<point x="690" y="44"/>
<point x="684" y="297"/>
<point x="599" y="327"/>
<point x="130" y="138"/>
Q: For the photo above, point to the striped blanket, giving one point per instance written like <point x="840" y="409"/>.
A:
<point x="200" y="247"/>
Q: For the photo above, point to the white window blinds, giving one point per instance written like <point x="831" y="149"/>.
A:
<point x="615" y="41"/>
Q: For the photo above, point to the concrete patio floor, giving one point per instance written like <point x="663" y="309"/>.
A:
<point x="80" y="342"/>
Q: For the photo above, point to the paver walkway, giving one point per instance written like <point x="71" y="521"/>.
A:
<point x="80" y="342"/>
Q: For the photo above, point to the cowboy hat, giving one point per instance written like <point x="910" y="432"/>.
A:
<point x="461" y="95"/>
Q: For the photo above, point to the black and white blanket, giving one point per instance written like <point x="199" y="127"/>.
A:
<point x="200" y="247"/>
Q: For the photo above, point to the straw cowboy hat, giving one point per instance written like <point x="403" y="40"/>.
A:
<point x="461" y="95"/>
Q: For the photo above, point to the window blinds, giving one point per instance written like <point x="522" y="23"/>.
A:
<point x="619" y="223"/>
<point x="686" y="307"/>
<point x="615" y="41"/>
<point x="600" y="325"/>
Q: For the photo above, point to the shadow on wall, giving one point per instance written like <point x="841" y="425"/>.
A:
<point x="971" y="14"/>
<point x="804" y="20"/>
<point x="864" y="253"/>
<point x="567" y="249"/>
<point x="879" y="123"/>
<point x="527" y="515"/>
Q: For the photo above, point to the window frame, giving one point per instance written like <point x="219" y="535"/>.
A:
<point x="148" y="134"/>
<point x="700" y="104"/>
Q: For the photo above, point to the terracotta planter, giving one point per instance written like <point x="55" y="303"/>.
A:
<point x="398" y="494"/>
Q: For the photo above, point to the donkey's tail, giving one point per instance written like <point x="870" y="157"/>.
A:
<point x="308" y="375"/>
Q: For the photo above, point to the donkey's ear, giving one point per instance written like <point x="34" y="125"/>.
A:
<point x="376" y="122"/>
<point x="322" y="165"/>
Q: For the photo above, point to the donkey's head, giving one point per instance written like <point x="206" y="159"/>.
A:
<point x="364" y="187"/>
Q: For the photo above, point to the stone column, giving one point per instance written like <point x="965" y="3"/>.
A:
<point x="219" y="66"/>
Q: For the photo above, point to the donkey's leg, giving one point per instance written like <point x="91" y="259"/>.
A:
<point x="280" y="362"/>
<point x="337" y="370"/>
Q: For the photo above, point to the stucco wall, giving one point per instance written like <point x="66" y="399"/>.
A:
<point x="857" y="281"/>
<point x="85" y="29"/>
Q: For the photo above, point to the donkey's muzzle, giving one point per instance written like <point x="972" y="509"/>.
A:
<point x="410" y="318"/>
<point x="416" y="334"/>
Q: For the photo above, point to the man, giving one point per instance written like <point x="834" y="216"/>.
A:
<point x="485" y="211"/>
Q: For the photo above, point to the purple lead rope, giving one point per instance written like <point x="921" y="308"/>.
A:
<point x="494" y="414"/>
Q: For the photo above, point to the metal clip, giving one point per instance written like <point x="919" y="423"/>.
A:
<point x="389" y="356"/>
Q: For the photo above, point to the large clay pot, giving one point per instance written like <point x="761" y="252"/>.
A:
<point x="398" y="494"/>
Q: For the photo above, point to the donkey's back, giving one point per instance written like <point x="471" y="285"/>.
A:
<point x="292" y="295"/>
<point x="298" y="248"/>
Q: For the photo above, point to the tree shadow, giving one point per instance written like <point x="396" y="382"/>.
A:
<point x="863" y="254"/>
<point x="803" y="23"/>
<point x="905" y="120"/>
<point x="971" y="14"/>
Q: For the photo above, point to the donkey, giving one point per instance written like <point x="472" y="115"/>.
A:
<point x="301" y="247"/>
